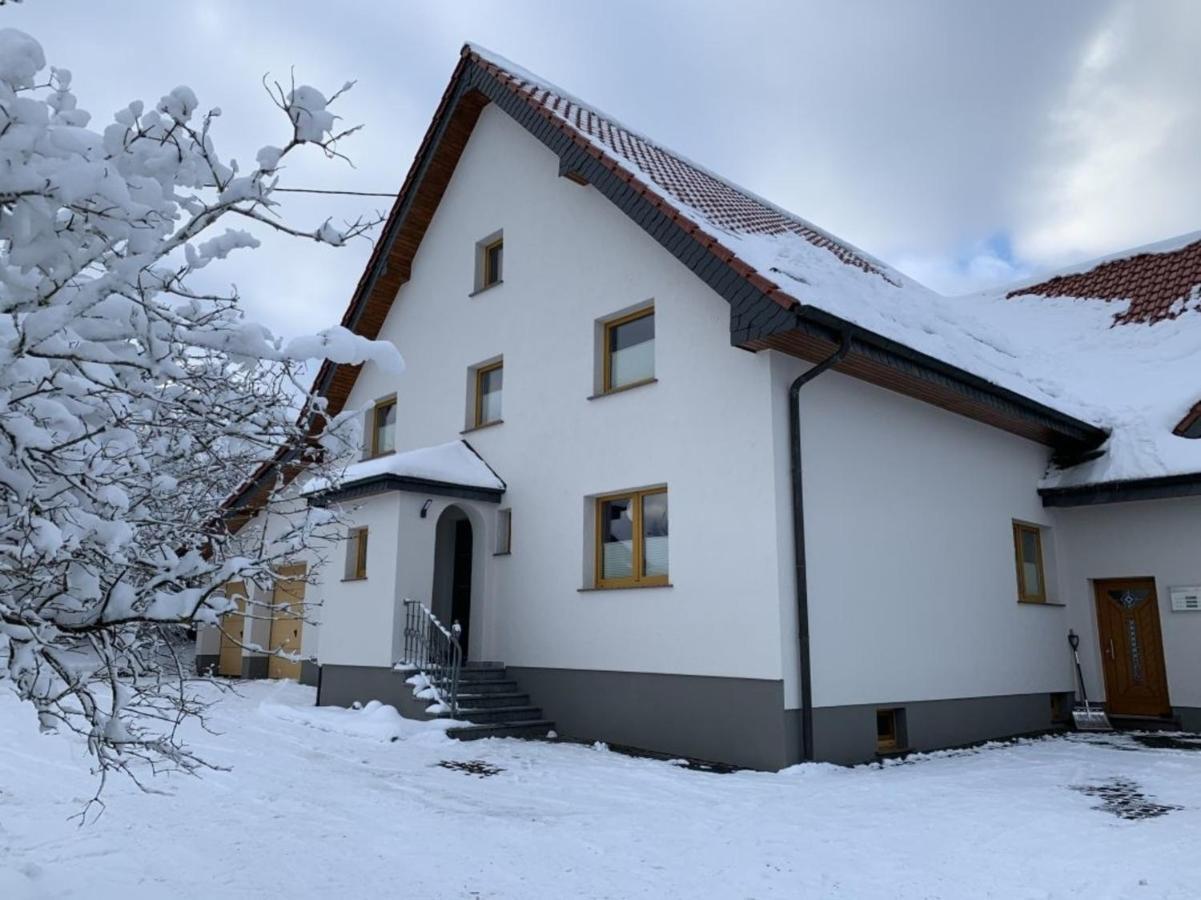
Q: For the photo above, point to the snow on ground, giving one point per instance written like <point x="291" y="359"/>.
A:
<point x="323" y="802"/>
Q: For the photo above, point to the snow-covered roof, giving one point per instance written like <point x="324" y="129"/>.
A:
<point x="455" y="463"/>
<point x="713" y="202"/>
<point x="1120" y="340"/>
<point x="1159" y="280"/>
<point x="1050" y="341"/>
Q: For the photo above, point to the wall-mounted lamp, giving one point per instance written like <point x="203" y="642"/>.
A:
<point x="425" y="507"/>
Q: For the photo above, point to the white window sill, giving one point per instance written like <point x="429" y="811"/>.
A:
<point x="625" y="387"/>
<point x="486" y="287"/>
<point x="491" y="424"/>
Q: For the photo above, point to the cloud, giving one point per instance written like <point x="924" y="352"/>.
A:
<point x="978" y="266"/>
<point x="918" y="131"/>
<point x="1118" y="165"/>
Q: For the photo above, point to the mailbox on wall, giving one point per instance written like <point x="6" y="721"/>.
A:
<point x="1186" y="599"/>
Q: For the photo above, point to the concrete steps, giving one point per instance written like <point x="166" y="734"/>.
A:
<point x="487" y="686"/>
<point x="536" y="728"/>
<point x="491" y="701"/>
<point x="494" y="706"/>
<point x="480" y="716"/>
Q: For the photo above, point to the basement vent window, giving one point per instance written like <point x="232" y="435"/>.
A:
<point x="888" y="732"/>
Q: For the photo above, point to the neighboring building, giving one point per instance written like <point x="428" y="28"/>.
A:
<point x="616" y="363"/>
<point x="273" y="634"/>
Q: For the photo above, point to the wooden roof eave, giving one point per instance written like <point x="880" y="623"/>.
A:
<point x="813" y="334"/>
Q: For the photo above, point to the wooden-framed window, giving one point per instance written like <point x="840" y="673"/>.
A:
<point x="356" y="554"/>
<point x="1028" y="554"/>
<point x="489" y="261"/>
<point x="489" y="389"/>
<point x="631" y="539"/>
<point x="504" y="532"/>
<point x="382" y="432"/>
<point x="628" y="345"/>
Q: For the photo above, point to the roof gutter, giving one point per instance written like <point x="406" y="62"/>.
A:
<point x="798" y="535"/>
<point x="1160" y="487"/>
<point x="1076" y="434"/>
<point x="388" y="481"/>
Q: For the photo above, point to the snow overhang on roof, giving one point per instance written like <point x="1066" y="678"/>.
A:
<point x="454" y="469"/>
<point x="1120" y="339"/>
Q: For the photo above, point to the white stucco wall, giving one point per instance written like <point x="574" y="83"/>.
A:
<point x="704" y="429"/>
<point x="908" y="521"/>
<point x="1158" y="539"/>
<point x="358" y="617"/>
<point x="363" y="620"/>
<point x="909" y="508"/>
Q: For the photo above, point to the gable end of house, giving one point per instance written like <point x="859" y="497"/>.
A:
<point x="762" y="315"/>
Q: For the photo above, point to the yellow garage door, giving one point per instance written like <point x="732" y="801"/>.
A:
<point x="286" y="622"/>
<point x="229" y="663"/>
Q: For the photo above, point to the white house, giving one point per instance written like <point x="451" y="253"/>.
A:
<point x="708" y="481"/>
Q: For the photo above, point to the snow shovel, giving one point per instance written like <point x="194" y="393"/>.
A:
<point x="1086" y="716"/>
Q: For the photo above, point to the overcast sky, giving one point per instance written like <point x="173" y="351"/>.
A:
<point x="967" y="143"/>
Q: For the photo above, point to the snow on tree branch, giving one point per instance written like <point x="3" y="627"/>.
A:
<point x="131" y="404"/>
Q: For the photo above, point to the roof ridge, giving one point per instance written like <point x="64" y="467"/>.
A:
<point x="1160" y="281"/>
<point x="1154" y="248"/>
<point x="603" y="134"/>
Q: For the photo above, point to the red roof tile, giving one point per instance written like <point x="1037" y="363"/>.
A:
<point x="1159" y="285"/>
<point x="723" y="204"/>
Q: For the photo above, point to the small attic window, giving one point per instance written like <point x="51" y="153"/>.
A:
<point x="381" y="423"/>
<point x="490" y="261"/>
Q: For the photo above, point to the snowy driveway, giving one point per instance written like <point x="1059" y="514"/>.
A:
<point x="323" y="803"/>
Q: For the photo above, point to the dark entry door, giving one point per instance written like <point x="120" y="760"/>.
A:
<point x="460" y="591"/>
<point x="1136" y="682"/>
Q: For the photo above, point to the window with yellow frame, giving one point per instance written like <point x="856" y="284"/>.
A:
<point x="382" y="437"/>
<point x="489" y="389"/>
<point x="631" y="539"/>
<point x="1028" y="554"/>
<point x="492" y="263"/>
<point x="356" y="554"/>
<point x="629" y="351"/>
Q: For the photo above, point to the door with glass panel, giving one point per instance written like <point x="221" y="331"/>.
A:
<point x="1136" y="682"/>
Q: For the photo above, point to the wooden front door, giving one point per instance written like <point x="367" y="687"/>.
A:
<point x="229" y="662"/>
<point x="286" y="622"/>
<point x="1136" y="682"/>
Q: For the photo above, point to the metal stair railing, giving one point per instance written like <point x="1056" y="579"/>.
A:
<point x="434" y="651"/>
